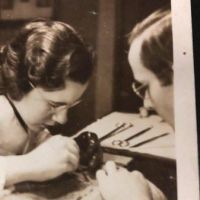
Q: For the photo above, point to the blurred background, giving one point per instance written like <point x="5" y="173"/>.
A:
<point x="105" y="25"/>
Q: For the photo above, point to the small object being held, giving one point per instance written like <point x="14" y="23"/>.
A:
<point x="91" y="155"/>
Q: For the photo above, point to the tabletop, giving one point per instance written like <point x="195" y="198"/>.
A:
<point x="147" y="151"/>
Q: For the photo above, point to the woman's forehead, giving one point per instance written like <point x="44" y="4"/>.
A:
<point x="71" y="92"/>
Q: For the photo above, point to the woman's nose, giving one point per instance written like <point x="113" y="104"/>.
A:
<point x="60" y="116"/>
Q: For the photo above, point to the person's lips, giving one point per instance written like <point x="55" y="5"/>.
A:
<point x="50" y="124"/>
<point x="54" y="128"/>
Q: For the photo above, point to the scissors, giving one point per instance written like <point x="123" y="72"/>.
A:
<point x="126" y="143"/>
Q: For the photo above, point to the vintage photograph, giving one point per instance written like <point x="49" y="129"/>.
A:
<point x="92" y="100"/>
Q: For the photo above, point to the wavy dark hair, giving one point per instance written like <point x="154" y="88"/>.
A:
<point x="45" y="53"/>
<point x="157" y="45"/>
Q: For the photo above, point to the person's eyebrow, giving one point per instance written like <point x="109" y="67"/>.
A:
<point x="58" y="103"/>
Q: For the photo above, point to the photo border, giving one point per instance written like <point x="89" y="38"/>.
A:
<point x="185" y="104"/>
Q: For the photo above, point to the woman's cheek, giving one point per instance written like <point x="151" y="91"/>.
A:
<point x="42" y="113"/>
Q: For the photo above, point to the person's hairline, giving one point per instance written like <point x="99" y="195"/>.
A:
<point x="149" y="28"/>
<point x="140" y="40"/>
<point x="139" y="44"/>
<point x="146" y="35"/>
<point x="68" y="79"/>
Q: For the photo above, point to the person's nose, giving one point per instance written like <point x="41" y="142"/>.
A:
<point x="61" y="116"/>
<point x="147" y="101"/>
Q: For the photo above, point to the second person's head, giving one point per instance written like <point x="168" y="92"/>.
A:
<point x="151" y="60"/>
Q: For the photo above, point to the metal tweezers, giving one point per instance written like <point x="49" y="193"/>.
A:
<point x="115" y="131"/>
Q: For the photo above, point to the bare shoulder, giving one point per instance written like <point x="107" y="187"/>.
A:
<point x="6" y="111"/>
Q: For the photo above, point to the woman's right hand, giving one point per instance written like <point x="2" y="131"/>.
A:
<point x="52" y="158"/>
<point x="57" y="155"/>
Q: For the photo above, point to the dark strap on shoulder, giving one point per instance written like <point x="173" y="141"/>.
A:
<point x="19" y="117"/>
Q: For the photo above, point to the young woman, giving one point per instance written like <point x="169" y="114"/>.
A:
<point x="44" y="71"/>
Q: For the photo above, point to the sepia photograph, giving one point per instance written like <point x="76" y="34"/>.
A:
<point x="97" y="100"/>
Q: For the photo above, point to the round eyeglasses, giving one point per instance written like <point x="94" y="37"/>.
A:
<point x="140" y="89"/>
<point x="56" y="106"/>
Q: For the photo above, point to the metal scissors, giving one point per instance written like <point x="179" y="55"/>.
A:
<point x="126" y="143"/>
<point x="120" y="143"/>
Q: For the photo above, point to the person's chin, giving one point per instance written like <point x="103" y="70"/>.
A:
<point x="37" y="128"/>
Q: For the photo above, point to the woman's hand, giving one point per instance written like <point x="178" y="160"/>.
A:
<point x="52" y="158"/>
<point x="119" y="184"/>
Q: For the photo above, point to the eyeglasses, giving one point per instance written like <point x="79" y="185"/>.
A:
<point x="140" y="89"/>
<point x="56" y="106"/>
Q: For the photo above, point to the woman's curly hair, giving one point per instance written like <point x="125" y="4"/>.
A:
<point x="45" y="53"/>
